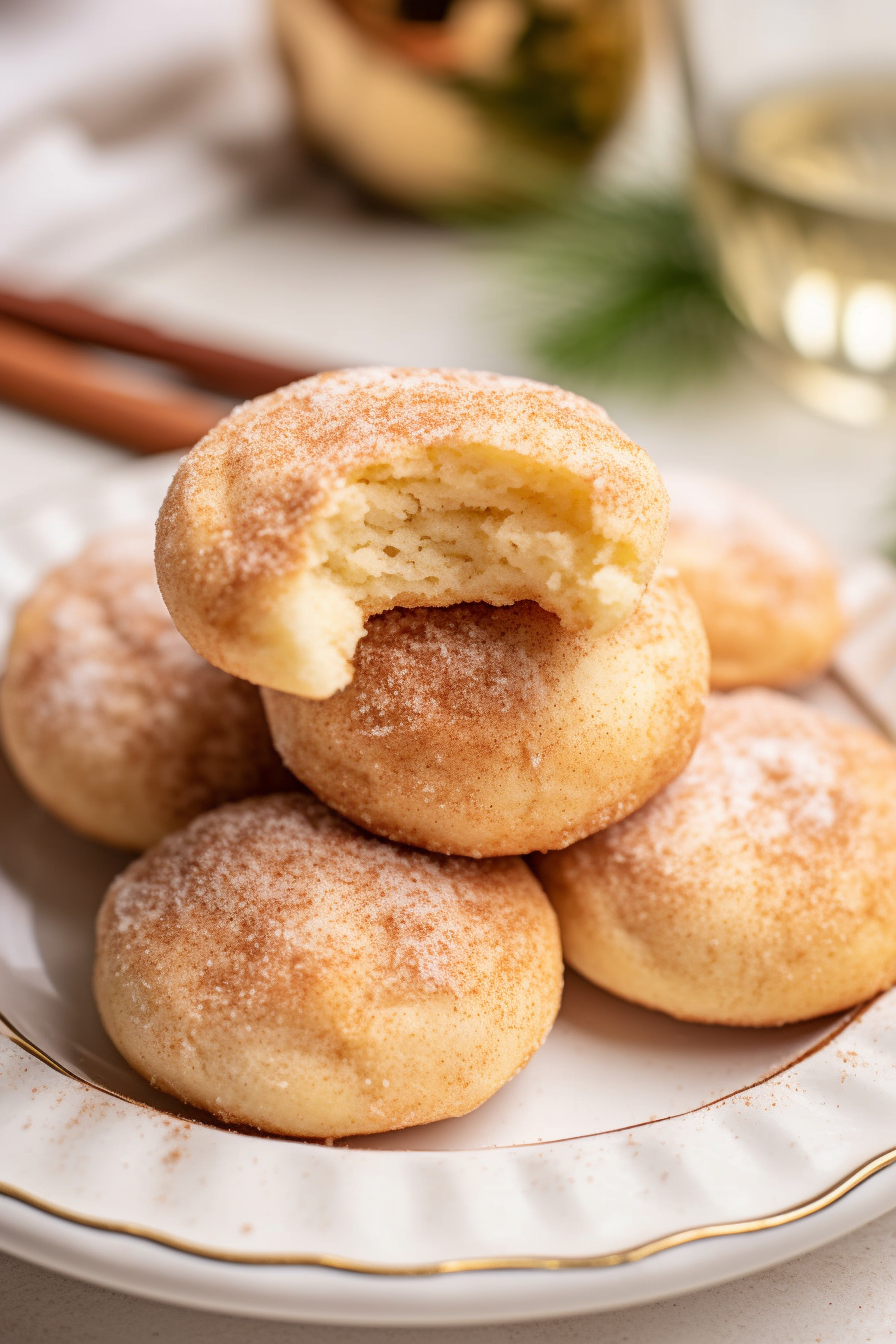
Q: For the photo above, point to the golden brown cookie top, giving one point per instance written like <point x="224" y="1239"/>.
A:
<point x="109" y="716"/>
<point x="767" y="588"/>
<point x="772" y="780"/>
<point x="285" y="898"/>
<point x="728" y="520"/>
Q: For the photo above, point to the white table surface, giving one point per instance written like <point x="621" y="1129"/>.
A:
<point x="319" y="284"/>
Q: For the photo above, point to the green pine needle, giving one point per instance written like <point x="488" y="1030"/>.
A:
<point x="622" y="288"/>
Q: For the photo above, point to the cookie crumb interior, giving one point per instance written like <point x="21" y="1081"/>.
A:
<point x="446" y="525"/>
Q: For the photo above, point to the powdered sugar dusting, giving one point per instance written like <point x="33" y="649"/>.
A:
<point x="767" y="770"/>
<point x="112" y="633"/>
<point x="284" y="969"/>
<point x="109" y="713"/>
<point x="280" y="893"/>
<point x="774" y="787"/>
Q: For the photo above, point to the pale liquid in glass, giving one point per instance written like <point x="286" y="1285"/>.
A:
<point x="799" y="204"/>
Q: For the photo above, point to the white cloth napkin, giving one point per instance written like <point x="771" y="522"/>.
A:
<point x="123" y="121"/>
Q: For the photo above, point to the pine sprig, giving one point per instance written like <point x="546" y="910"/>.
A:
<point x="621" y="287"/>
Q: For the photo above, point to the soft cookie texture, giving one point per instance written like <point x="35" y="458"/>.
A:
<point x="282" y="969"/>
<point x="493" y="730"/>
<point x="758" y="888"/>
<point x="766" y="587"/>
<point x="347" y="494"/>
<point x="108" y="716"/>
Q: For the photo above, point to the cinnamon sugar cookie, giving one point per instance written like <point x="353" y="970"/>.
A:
<point x="110" y="719"/>
<point x="758" y="888"/>
<point x="493" y="730"/>
<point x="283" y="969"/>
<point x="350" y="493"/>
<point x="766" y="587"/>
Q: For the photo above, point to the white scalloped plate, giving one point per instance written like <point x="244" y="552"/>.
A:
<point x="634" y="1157"/>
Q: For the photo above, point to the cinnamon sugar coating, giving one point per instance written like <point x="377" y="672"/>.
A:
<point x="493" y="730"/>
<point x="350" y="493"/>
<point x="766" y="586"/>
<point x="108" y="716"/>
<point x="283" y="969"/>
<point x="759" y="887"/>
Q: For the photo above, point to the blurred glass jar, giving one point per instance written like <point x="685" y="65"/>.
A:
<point x="794" y="111"/>
<point x="454" y="104"/>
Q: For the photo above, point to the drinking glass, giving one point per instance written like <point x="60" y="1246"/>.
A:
<point x="793" y="104"/>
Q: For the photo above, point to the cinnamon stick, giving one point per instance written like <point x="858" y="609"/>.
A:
<point x="237" y="375"/>
<point x="64" y="381"/>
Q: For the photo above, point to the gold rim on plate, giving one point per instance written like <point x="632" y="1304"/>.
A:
<point x="477" y="1263"/>
<point x="607" y="1260"/>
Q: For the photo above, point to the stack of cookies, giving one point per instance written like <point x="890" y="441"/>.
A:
<point x="450" y="589"/>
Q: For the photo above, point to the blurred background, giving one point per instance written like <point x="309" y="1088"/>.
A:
<point x="684" y="208"/>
